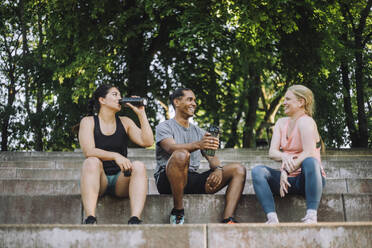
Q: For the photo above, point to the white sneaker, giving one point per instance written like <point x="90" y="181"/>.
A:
<point x="272" y="221"/>
<point x="310" y="217"/>
<point x="272" y="218"/>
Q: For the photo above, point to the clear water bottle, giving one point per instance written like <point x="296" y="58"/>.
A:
<point x="214" y="131"/>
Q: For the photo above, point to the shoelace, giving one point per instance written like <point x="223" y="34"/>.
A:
<point x="178" y="218"/>
<point x="308" y="219"/>
<point x="272" y="221"/>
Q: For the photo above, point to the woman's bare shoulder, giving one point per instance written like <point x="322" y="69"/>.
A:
<point x="282" y="120"/>
<point x="86" y="120"/>
<point x="125" y="119"/>
<point x="127" y="122"/>
<point x="306" y="120"/>
<point x="307" y="123"/>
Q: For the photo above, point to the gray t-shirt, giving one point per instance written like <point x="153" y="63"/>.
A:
<point x="181" y="135"/>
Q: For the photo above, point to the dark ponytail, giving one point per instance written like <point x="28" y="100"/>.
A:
<point x="93" y="103"/>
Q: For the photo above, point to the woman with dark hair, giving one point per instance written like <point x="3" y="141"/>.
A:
<point x="296" y="144"/>
<point x="104" y="139"/>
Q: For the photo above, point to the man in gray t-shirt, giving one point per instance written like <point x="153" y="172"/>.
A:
<point x="181" y="135"/>
<point x="179" y="146"/>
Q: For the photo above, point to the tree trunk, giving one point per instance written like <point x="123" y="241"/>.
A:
<point x="8" y="107"/>
<point x="38" y="123"/>
<point x="350" y="122"/>
<point x="212" y="96"/>
<point x="359" y="73"/>
<point x="359" y="80"/>
<point x="250" y="117"/>
<point x="8" y="112"/>
<point x="233" y="138"/>
<point x="270" y="112"/>
<point x="25" y="54"/>
<point x="136" y="59"/>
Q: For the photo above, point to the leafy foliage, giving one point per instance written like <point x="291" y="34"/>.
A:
<point x="239" y="57"/>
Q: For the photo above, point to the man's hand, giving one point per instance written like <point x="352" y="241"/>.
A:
<point x="209" y="142"/>
<point x="214" y="180"/>
<point x="123" y="163"/>
<point x="284" y="184"/>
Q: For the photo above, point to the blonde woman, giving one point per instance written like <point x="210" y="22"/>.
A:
<point x="296" y="144"/>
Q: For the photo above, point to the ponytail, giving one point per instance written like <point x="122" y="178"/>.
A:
<point x="93" y="103"/>
<point x="92" y="106"/>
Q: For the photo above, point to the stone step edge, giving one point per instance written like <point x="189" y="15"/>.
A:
<point x="148" y="177"/>
<point x="162" y="195"/>
<point x="283" y="224"/>
<point x="152" y="155"/>
<point x="188" y="235"/>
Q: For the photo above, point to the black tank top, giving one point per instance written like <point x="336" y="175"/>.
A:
<point x="117" y="142"/>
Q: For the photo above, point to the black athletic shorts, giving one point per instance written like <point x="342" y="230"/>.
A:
<point x="195" y="183"/>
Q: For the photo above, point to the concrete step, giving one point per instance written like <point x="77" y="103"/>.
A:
<point x="235" y="151"/>
<point x="326" y="235"/>
<point x="67" y="209"/>
<point x="52" y="161"/>
<point x="49" y="171"/>
<point x="151" y="163"/>
<point x="40" y="173"/>
<point x="229" y="154"/>
<point x="66" y="187"/>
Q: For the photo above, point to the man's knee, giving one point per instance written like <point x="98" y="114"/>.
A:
<point x="239" y="170"/>
<point x="180" y="158"/>
<point x="181" y="155"/>
<point x="91" y="165"/>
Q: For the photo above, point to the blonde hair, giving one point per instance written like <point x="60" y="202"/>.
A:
<point x="302" y="92"/>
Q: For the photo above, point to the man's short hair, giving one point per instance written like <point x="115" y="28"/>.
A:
<point x="177" y="94"/>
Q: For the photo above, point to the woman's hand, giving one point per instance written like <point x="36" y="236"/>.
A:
<point x="123" y="163"/>
<point x="288" y="163"/>
<point x="137" y="109"/>
<point x="284" y="184"/>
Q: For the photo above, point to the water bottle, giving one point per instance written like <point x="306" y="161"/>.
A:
<point x="127" y="173"/>
<point x="214" y="131"/>
<point x="135" y="101"/>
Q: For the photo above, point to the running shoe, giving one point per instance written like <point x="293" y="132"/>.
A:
<point x="90" y="220"/>
<point x="230" y="220"/>
<point x="134" y="220"/>
<point x="177" y="216"/>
